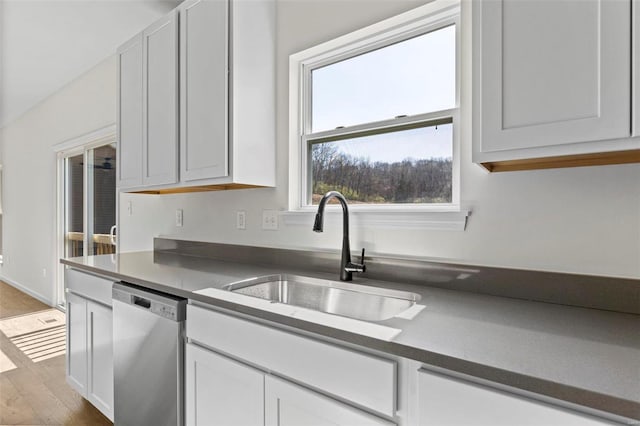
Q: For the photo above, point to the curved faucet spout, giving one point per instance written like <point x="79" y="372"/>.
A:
<point x="346" y="266"/>
<point x="318" y="225"/>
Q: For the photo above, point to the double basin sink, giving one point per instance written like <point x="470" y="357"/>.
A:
<point x="349" y="300"/>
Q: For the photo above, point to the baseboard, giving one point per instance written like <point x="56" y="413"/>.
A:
<point x="27" y="290"/>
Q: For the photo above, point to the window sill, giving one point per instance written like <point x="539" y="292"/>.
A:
<point x="432" y="220"/>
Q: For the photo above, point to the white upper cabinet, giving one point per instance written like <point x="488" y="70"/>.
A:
<point x="219" y="69"/>
<point x="130" y="113"/>
<point x="203" y="89"/>
<point x="160" y="102"/>
<point x="551" y="78"/>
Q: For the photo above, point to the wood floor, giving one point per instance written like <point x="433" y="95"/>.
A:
<point x="36" y="393"/>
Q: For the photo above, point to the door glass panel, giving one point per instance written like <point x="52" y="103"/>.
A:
<point x="74" y="200"/>
<point x="102" y="178"/>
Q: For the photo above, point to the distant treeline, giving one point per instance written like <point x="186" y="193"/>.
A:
<point x="407" y="181"/>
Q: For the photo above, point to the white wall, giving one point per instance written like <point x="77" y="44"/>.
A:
<point x="29" y="170"/>
<point x="582" y="220"/>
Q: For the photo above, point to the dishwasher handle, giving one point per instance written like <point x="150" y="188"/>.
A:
<point x="141" y="301"/>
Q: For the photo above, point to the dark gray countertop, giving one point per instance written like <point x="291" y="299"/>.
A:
<point x="583" y="356"/>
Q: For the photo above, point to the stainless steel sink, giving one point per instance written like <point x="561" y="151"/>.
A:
<point x="349" y="300"/>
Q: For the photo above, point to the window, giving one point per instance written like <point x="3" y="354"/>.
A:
<point x="375" y="113"/>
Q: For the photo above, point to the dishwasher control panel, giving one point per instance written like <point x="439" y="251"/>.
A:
<point x="163" y="305"/>
<point x="165" y="311"/>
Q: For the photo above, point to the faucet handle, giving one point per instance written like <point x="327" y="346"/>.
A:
<point x="356" y="267"/>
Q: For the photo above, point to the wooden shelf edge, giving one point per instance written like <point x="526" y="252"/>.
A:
<point x="578" y="160"/>
<point x="200" y="188"/>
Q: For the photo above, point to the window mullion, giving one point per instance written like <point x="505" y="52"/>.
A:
<point x="380" y="127"/>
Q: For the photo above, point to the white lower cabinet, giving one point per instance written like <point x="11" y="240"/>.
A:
<point x="77" y="343"/>
<point x="448" y="401"/>
<point x="325" y="384"/>
<point x="89" y="362"/>
<point x="220" y="391"/>
<point x="100" y="357"/>
<point x="287" y="404"/>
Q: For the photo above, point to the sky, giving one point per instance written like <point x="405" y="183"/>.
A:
<point x="411" y="77"/>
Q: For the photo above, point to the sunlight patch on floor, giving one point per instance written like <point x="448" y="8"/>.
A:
<point x="28" y="323"/>
<point x="5" y="363"/>
<point x="41" y="345"/>
<point x="39" y="335"/>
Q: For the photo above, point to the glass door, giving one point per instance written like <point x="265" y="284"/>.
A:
<point x="101" y="203"/>
<point x="87" y="182"/>
<point x="74" y="205"/>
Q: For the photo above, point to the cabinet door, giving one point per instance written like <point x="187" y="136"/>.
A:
<point x="100" y="357"/>
<point x="77" y="343"/>
<point x="289" y="405"/>
<point x="160" y="102"/>
<point x="220" y="391"/>
<point x="548" y="74"/>
<point x="447" y="401"/>
<point x="203" y="89"/>
<point x="635" y="66"/>
<point x="129" y="116"/>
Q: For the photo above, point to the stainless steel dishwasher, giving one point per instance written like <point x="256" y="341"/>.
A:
<point x="148" y="356"/>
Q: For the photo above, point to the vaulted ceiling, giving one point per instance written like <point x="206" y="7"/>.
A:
<point x="45" y="44"/>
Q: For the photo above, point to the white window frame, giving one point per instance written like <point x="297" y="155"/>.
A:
<point x="427" y="18"/>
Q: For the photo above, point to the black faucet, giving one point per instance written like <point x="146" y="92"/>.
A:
<point x="347" y="268"/>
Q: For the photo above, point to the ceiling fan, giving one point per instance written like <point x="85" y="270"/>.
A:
<point x="106" y="164"/>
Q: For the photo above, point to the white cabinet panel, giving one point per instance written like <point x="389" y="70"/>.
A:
<point x="77" y="343"/>
<point x="549" y="74"/>
<point x="365" y="379"/>
<point x="635" y="58"/>
<point x="289" y="405"/>
<point x="100" y="357"/>
<point x="160" y="102"/>
<point x="130" y="113"/>
<point x="203" y="89"/>
<point x="89" y="357"/>
<point x="253" y="102"/>
<point x="88" y="286"/>
<point x="447" y="401"/>
<point x="220" y="391"/>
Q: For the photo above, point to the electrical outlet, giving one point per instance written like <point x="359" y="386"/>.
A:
<point x="44" y="272"/>
<point x="129" y="208"/>
<point x="179" y="217"/>
<point x="241" y="220"/>
<point x="270" y="220"/>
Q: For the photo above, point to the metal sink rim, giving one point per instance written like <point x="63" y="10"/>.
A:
<point x="347" y="286"/>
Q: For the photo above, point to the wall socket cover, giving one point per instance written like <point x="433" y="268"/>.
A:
<point x="241" y="219"/>
<point x="270" y="220"/>
<point x="179" y="218"/>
